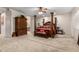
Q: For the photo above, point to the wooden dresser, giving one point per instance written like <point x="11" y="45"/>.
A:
<point x="20" y="25"/>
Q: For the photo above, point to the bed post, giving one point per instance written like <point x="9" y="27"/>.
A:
<point x="34" y="24"/>
<point x="43" y="21"/>
<point x="51" y="25"/>
<point x="56" y="24"/>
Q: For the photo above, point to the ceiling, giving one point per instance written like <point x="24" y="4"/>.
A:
<point x="2" y="10"/>
<point x="30" y="11"/>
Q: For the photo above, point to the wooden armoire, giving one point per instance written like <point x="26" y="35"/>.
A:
<point x="20" y="25"/>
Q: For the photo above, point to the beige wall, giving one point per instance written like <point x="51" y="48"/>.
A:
<point x="64" y="22"/>
<point x="75" y="23"/>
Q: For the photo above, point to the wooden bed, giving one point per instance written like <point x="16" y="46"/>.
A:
<point x="47" y="30"/>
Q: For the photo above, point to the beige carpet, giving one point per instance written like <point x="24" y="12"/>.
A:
<point x="30" y="43"/>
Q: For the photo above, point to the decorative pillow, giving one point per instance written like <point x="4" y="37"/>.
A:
<point x="41" y="30"/>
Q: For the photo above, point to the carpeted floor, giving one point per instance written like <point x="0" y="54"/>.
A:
<point x="30" y="43"/>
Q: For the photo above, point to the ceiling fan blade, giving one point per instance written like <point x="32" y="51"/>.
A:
<point x="44" y="11"/>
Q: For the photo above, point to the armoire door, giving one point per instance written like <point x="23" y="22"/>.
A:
<point x="20" y="26"/>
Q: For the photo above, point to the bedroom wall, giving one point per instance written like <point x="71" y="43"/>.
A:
<point x="64" y="22"/>
<point x="75" y="23"/>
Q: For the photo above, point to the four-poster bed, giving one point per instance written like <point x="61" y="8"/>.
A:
<point x="48" y="29"/>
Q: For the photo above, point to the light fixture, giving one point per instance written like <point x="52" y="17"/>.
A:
<point x="42" y="10"/>
<point x="40" y="13"/>
<point x="54" y="13"/>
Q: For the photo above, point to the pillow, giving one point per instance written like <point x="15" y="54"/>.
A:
<point x="41" y="30"/>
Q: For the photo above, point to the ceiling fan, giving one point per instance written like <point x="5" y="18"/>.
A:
<point x="42" y="10"/>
